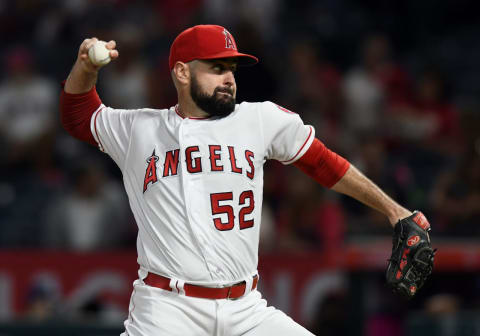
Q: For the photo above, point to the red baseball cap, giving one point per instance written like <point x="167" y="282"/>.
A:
<point x="206" y="42"/>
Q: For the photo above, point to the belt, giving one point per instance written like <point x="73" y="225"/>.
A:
<point x="231" y="292"/>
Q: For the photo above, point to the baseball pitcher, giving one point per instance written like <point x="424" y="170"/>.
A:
<point x="194" y="178"/>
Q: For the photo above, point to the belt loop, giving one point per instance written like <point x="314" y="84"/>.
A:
<point x="173" y="285"/>
<point x="142" y="274"/>
<point x="248" y="285"/>
<point x="181" y="287"/>
<point x="177" y="286"/>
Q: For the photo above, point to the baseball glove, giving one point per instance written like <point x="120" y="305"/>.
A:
<point x="412" y="256"/>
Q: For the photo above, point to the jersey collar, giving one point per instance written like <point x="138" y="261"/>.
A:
<point x="193" y="118"/>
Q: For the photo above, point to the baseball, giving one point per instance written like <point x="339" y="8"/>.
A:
<point x="99" y="54"/>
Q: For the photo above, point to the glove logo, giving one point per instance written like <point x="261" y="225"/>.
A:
<point x="413" y="240"/>
<point x="421" y="221"/>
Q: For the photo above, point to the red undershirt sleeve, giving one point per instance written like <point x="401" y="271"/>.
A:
<point x="76" y="111"/>
<point x="323" y="165"/>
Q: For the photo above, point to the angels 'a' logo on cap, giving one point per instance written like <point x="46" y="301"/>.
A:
<point x="229" y="43"/>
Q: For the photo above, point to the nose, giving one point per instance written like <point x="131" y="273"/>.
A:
<point x="229" y="79"/>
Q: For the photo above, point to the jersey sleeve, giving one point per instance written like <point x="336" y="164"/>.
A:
<point x="286" y="137"/>
<point x="111" y="129"/>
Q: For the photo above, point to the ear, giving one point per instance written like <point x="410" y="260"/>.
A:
<point x="182" y="72"/>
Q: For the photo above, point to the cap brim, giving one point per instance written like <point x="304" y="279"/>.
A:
<point x="243" y="59"/>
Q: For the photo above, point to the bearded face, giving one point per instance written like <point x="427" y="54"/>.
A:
<point x="220" y="104"/>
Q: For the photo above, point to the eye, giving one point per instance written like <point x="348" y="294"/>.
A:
<point x="218" y="67"/>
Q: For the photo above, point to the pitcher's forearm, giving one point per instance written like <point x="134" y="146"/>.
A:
<point x="79" y="80"/>
<point x="358" y="186"/>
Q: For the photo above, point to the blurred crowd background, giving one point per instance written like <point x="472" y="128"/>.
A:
<point x="392" y="86"/>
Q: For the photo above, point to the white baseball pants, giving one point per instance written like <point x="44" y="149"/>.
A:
<point x="156" y="312"/>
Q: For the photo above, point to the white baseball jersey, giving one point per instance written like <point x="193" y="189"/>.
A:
<point x="195" y="186"/>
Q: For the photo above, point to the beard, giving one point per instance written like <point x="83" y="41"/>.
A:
<point x="216" y="105"/>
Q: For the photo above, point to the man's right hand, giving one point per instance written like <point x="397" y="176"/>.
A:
<point x="83" y="75"/>
<point x="83" y="58"/>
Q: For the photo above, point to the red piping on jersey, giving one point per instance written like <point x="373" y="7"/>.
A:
<point x="194" y="118"/>
<point x="323" y="165"/>
<point x="309" y="135"/>
<point x="95" y="125"/>
<point x="285" y="109"/>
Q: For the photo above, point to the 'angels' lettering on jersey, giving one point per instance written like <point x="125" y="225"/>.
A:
<point x="195" y="187"/>
<point x="193" y="159"/>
